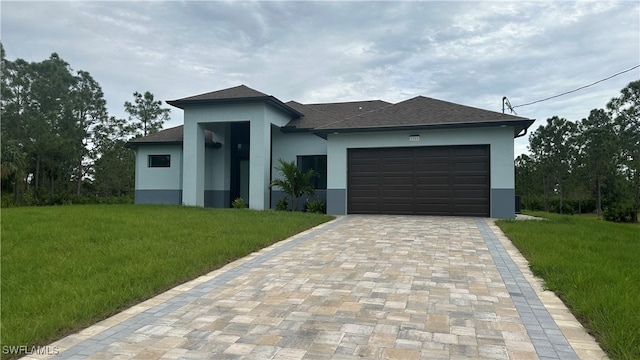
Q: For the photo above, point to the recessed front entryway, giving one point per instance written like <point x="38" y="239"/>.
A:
<point x="432" y="180"/>
<point x="239" y="152"/>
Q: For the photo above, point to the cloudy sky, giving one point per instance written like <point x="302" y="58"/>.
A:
<point x="472" y="53"/>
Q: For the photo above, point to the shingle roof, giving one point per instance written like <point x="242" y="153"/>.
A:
<point x="419" y="111"/>
<point x="371" y="115"/>
<point x="317" y="115"/>
<point x="238" y="94"/>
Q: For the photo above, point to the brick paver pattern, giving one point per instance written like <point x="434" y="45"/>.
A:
<point x="379" y="287"/>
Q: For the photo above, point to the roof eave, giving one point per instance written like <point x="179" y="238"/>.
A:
<point x="518" y="126"/>
<point x="134" y="144"/>
<point x="294" y="129"/>
<point x="181" y="104"/>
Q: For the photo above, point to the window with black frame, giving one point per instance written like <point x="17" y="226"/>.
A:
<point x="317" y="163"/>
<point x="159" y="160"/>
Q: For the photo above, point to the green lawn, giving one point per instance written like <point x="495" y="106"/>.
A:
<point x="594" y="267"/>
<point x="67" y="267"/>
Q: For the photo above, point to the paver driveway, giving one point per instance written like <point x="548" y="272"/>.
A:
<point x="390" y="287"/>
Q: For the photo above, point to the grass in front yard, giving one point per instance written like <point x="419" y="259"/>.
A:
<point x="65" y="268"/>
<point x="594" y="267"/>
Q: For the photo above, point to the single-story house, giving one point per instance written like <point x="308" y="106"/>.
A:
<point x="420" y="156"/>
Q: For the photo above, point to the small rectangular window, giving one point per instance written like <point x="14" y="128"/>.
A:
<point x="317" y="163"/>
<point x="159" y="160"/>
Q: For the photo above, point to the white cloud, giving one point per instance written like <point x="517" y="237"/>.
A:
<point x="472" y="53"/>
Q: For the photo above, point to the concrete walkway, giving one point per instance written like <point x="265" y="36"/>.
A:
<point x="378" y="287"/>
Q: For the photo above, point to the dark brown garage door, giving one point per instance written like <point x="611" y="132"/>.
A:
<point x="434" y="180"/>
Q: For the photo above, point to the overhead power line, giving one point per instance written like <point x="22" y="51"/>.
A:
<point x="580" y="88"/>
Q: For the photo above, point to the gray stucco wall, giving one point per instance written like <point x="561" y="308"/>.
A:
<point x="336" y="201"/>
<point x="503" y="204"/>
<point x="167" y="197"/>
<point x="276" y="195"/>
<point x="217" y="198"/>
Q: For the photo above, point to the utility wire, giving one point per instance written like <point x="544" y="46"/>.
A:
<point x="580" y="88"/>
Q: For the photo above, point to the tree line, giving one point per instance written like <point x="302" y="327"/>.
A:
<point x="591" y="165"/>
<point x="58" y="142"/>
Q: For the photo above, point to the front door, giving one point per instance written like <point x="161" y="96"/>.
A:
<point x="244" y="180"/>
<point x="239" y="184"/>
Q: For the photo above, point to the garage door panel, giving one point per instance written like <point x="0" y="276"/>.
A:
<point x="393" y="153"/>
<point x="397" y="167"/>
<point x="469" y="194"/>
<point x="470" y="150"/>
<point x="440" y="180"/>
<point x="369" y="193"/>
<point x="398" y="209"/>
<point x="469" y="166"/>
<point x="432" y="174"/>
<point x="433" y="180"/>
<point x="432" y="166"/>
<point x="442" y="185"/>
<point x="366" y="154"/>
<point x="468" y="210"/>
<point x="396" y="159"/>
<point x="366" y="209"/>
<point x="432" y="194"/>
<point x="426" y="209"/>
<point x="365" y="168"/>
<point x="365" y="181"/>
<point x="471" y="180"/>
<point x="394" y="194"/>
<point x="397" y="181"/>
<point x="442" y="207"/>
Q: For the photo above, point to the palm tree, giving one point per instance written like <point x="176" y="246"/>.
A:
<point x="294" y="182"/>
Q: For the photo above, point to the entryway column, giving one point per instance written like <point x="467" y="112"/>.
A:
<point x="193" y="165"/>
<point x="259" y="164"/>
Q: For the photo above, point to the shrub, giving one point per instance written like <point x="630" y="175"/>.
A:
<point x="282" y="204"/>
<point x="534" y="203"/>
<point x="7" y="201"/>
<point x="315" y="206"/>
<point x="28" y="199"/>
<point x="618" y="213"/>
<point x="569" y="206"/>
<point x="294" y="182"/>
<point x="239" y="204"/>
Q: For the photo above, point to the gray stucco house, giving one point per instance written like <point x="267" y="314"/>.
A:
<point x="419" y="156"/>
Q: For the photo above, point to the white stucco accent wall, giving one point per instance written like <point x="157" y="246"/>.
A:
<point x="198" y="118"/>
<point x="223" y="113"/>
<point x="500" y="140"/>
<point x="217" y="161"/>
<point x="159" y="178"/>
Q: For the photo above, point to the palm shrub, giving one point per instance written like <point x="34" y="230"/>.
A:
<point x="239" y="203"/>
<point x="282" y="204"/>
<point x="294" y="182"/>
<point x="316" y="206"/>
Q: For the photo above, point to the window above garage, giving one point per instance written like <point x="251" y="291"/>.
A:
<point x="317" y="163"/>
